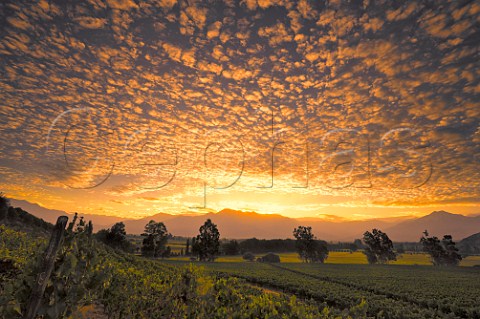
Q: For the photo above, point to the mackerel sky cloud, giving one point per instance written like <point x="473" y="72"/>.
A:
<point x="356" y="108"/>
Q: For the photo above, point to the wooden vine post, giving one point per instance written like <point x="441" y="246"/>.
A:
<point x="48" y="262"/>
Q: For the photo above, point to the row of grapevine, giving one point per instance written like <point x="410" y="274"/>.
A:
<point x="449" y="289"/>
<point x="87" y="273"/>
<point x="71" y="283"/>
<point x="338" y="293"/>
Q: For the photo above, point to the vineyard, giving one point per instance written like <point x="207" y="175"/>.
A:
<point x="88" y="275"/>
<point x="389" y="291"/>
<point x="92" y="280"/>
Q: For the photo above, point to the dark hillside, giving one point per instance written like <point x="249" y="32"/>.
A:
<point x="20" y="220"/>
<point x="470" y="245"/>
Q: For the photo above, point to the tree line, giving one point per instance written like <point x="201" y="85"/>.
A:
<point x="206" y="246"/>
<point x="258" y="246"/>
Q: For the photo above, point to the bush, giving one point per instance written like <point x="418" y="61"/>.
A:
<point x="248" y="256"/>
<point x="270" y="258"/>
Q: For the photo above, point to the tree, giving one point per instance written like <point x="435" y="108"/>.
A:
<point x="231" y="248"/>
<point x="156" y="236"/>
<point x="4" y="205"/>
<point x="305" y="242"/>
<point x="309" y="249"/>
<point x="194" y="247"/>
<point x="115" y="237"/>
<point x="358" y="243"/>
<point x="321" y="251"/>
<point x="255" y="245"/>
<point x="188" y="247"/>
<point x="443" y="253"/>
<point x="4" y="201"/>
<point x="453" y="258"/>
<point x="167" y="252"/>
<point x="207" y="243"/>
<point x="101" y="235"/>
<point x="117" y="233"/>
<point x="379" y="248"/>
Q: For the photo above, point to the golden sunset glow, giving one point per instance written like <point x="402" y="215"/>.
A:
<point x="299" y="108"/>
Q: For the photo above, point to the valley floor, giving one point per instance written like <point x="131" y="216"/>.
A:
<point x="358" y="257"/>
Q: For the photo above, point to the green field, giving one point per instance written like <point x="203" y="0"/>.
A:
<point x="409" y="287"/>
<point x="390" y="291"/>
<point x="345" y="258"/>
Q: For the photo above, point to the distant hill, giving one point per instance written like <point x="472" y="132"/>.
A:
<point x="470" y="245"/>
<point x="347" y="230"/>
<point x="240" y="225"/>
<point x="438" y="223"/>
<point x="136" y="226"/>
<point x="231" y="223"/>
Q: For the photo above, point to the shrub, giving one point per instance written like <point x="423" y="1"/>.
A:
<point x="248" y="256"/>
<point x="270" y="258"/>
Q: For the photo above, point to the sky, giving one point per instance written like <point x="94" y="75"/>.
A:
<point x="358" y="109"/>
